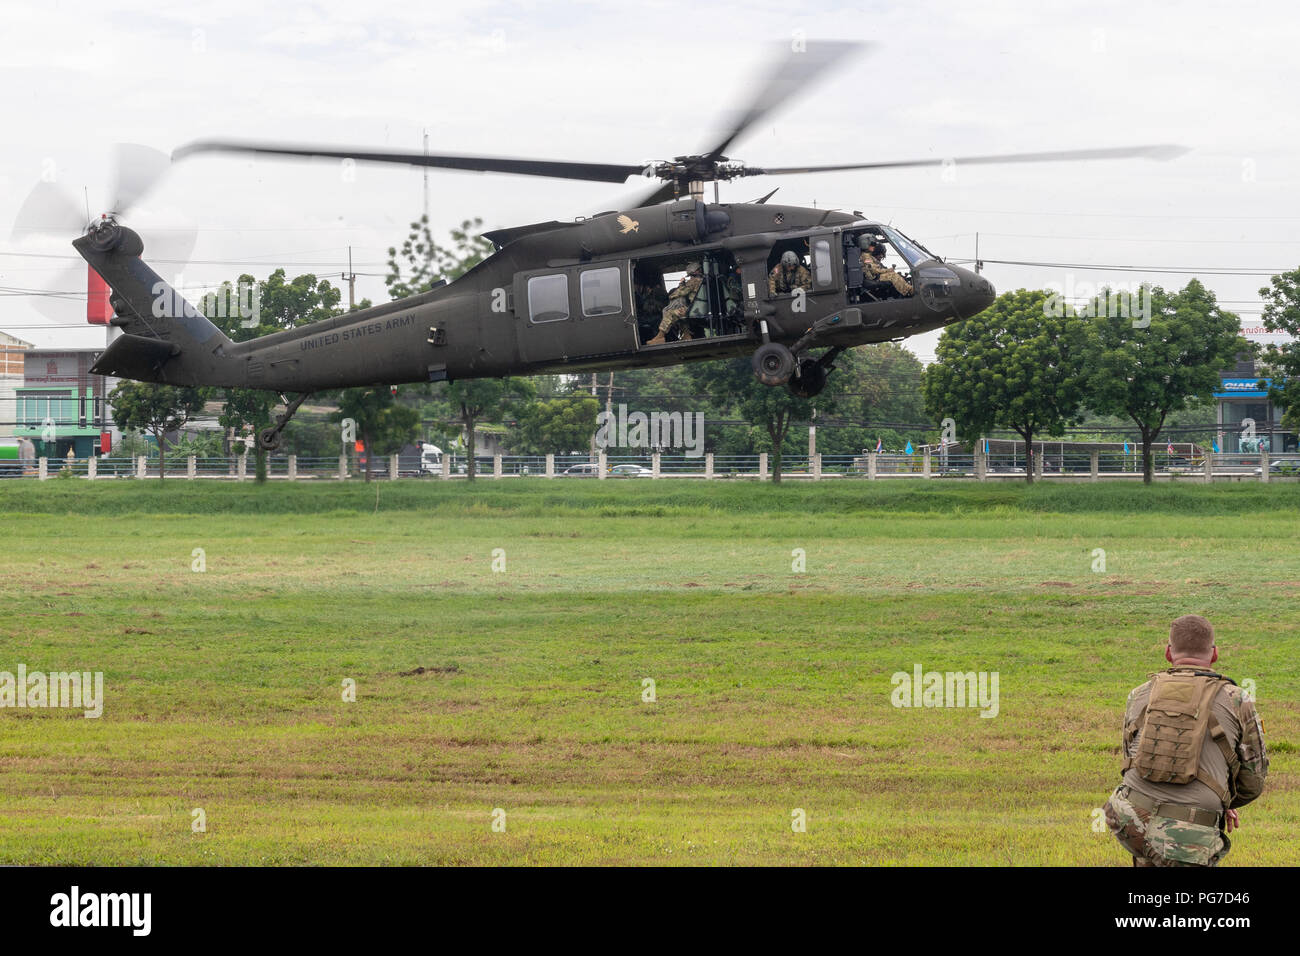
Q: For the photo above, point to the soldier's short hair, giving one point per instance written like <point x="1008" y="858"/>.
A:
<point x="1191" y="636"/>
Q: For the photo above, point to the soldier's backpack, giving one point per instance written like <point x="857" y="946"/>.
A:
<point x="1179" y="713"/>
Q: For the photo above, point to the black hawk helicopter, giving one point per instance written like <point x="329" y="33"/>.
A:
<point x="586" y="295"/>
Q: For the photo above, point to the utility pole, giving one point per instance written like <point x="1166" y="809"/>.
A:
<point x="978" y="265"/>
<point x="352" y="283"/>
<point x="426" y="177"/>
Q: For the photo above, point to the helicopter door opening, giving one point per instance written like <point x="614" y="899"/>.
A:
<point x="801" y="268"/>
<point x="715" y="309"/>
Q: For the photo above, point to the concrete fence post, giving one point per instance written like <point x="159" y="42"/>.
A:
<point x="293" y="467"/>
<point x="191" y="467"/>
<point x="602" y="466"/>
<point x="241" y="469"/>
<point x="1038" y="466"/>
<point x="550" y="466"/>
<point x="1263" y="466"/>
<point x="92" y="467"/>
<point x="981" y="462"/>
<point x="871" y="465"/>
<point x="394" y="467"/>
<point x="817" y="466"/>
<point x="497" y="471"/>
<point x="708" y="465"/>
<point x="42" y="468"/>
<point x="446" y="465"/>
<point x="142" y="467"/>
<point x="1209" y="467"/>
<point x="1094" y="465"/>
<point x="762" y="466"/>
<point x="655" y="465"/>
<point x="925" y="464"/>
<point x="343" y="467"/>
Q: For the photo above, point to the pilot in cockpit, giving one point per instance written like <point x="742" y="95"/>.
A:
<point x="873" y="264"/>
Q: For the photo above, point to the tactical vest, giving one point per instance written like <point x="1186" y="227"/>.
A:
<point x="1178" y="715"/>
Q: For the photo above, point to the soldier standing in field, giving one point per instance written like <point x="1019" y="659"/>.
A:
<point x="1194" y="753"/>
<point x="788" y="274"/>
<point x="679" y="303"/>
<point x="873" y="265"/>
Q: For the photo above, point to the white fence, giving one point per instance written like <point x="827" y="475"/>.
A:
<point x="1067" y="466"/>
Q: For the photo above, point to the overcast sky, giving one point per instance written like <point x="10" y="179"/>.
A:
<point x="646" y="81"/>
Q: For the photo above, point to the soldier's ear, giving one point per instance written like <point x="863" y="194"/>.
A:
<point x="1214" y="653"/>
<point x="1168" y="656"/>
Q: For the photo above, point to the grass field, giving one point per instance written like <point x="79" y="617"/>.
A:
<point x="521" y="689"/>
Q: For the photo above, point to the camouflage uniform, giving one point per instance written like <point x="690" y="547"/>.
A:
<point x="650" y="299"/>
<point x="1158" y="839"/>
<point x="873" y="268"/>
<point x="679" y="303"/>
<point x="733" y="299"/>
<point x="781" y="281"/>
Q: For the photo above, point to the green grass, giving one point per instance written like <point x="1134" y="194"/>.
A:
<point x="773" y="688"/>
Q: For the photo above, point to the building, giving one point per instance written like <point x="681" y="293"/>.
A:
<point x="12" y="351"/>
<point x="1248" y="420"/>
<point x="60" y="406"/>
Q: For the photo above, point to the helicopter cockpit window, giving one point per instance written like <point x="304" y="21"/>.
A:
<point x="823" y="276"/>
<point x="548" y="298"/>
<point x="601" y="294"/>
<point x="913" y="253"/>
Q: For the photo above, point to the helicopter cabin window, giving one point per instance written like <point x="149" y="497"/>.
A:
<point x="823" y="276"/>
<point x="548" y="298"/>
<point x="601" y="294"/>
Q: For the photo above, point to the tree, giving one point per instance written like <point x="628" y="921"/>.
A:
<point x="877" y="383"/>
<point x="563" y="423"/>
<point x="772" y="410"/>
<point x="1145" y="372"/>
<point x="156" y="409"/>
<point x="1017" y="365"/>
<point x="383" y="424"/>
<point x="426" y="261"/>
<point x="474" y="397"/>
<point x="1282" y="314"/>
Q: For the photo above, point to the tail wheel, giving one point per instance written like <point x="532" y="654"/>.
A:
<point x="773" y="364"/>
<point x="268" y="439"/>
<point x="810" y="381"/>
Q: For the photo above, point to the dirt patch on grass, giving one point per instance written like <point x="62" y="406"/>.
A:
<point x="447" y="669"/>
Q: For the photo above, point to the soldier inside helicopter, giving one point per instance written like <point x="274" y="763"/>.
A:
<point x="681" y="301"/>
<point x="867" y="276"/>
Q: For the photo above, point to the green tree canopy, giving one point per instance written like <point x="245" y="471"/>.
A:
<point x="1146" y="372"/>
<point x="156" y="409"/>
<point x="560" y="424"/>
<point x="1018" y="364"/>
<point x="1282" y="314"/>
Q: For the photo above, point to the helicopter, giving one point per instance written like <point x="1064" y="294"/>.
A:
<point x="568" y="296"/>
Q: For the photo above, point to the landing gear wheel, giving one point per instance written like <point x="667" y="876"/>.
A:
<point x="773" y="364"/>
<point x="810" y="381"/>
<point x="268" y="439"/>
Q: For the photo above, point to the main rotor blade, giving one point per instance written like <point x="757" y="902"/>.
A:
<point x="592" y="172"/>
<point x="48" y="211"/>
<point x="801" y="65"/>
<point x="1159" y="152"/>
<point x="137" y="170"/>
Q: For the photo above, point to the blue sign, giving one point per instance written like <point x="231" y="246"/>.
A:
<point x="1243" y="388"/>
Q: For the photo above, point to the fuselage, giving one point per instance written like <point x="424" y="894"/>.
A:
<point x="581" y="296"/>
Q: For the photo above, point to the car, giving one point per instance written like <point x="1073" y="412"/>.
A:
<point x="583" y="470"/>
<point x="630" y="471"/>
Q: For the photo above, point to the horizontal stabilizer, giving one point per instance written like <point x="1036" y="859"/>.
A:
<point x="135" y="357"/>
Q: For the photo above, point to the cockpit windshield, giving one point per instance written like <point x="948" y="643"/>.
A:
<point x="911" y="250"/>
